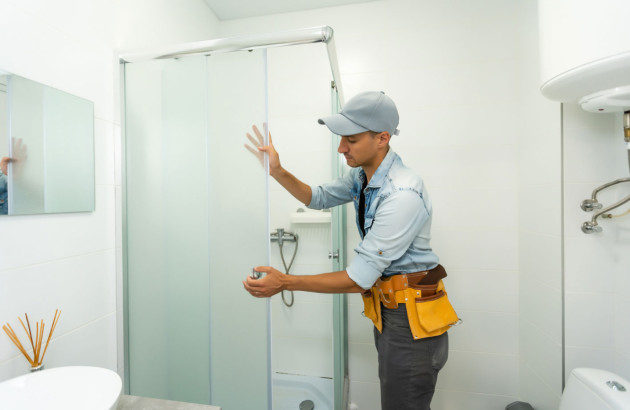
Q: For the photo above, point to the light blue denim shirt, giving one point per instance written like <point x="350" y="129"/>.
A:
<point x="397" y="220"/>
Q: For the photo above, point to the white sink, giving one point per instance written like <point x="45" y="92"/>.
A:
<point x="62" y="388"/>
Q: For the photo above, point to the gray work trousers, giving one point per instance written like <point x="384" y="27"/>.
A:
<point x="407" y="368"/>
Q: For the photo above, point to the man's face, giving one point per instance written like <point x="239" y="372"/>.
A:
<point x="359" y="149"/>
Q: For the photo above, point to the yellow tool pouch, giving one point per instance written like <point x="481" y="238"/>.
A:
<point x="429" y="315"/>
<point x="372" y="308"/>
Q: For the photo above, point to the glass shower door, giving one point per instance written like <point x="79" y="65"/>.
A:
<point x="196" y="222"/>
<point x="239" y="232"/>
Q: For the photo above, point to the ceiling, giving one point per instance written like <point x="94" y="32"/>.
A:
<point x="236" y="9"/>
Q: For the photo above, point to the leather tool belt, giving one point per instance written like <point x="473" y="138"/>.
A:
<point x="428" y="309"/>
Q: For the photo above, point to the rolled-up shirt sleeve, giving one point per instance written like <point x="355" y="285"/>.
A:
<point x="332" y="194"/>
<point x="398" y="220"/>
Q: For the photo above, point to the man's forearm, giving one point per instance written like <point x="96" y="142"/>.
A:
<point x="300" y="190"/>
<point x="333" y="282"/>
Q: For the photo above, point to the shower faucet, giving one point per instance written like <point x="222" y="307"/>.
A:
<point x="280" y="236"/>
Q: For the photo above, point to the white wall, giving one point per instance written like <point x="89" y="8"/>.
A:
<point x="453" y="69"/>
<point x="540" y="232"/>
<point x="70" y="261"/>
<point x="597" y="280"/>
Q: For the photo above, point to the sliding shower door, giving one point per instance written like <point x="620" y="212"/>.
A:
<point x="195" y="216"/>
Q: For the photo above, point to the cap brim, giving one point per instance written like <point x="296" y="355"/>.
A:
<point x="340" y="125"/>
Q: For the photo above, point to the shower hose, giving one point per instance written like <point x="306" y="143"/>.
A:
<point x="286" y="270"/>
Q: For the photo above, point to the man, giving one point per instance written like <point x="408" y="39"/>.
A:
<point x="394" y="257"/>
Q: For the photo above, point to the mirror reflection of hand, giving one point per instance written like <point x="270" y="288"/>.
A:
<point x="19" y="156"/>
<point x="258" y="149"/>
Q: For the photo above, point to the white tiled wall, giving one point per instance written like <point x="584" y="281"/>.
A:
<point x="457" y="70"/>
<point x="71" y="261"/>
<point x="452" y="67"/>
<point x="597" y="281"/>
<point x="540" y="232"/>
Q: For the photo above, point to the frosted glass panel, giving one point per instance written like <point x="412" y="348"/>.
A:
<point x="167" y="230"/>
<point x="196" y="218"/>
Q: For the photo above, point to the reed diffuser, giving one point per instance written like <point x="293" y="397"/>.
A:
<point x="36" y="344"/>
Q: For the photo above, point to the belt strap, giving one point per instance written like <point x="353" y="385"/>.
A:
<point x="391" y="289"/>
<point x="400" y="296"/>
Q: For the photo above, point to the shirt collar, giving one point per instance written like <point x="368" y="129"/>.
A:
<point x="381" y="171"/>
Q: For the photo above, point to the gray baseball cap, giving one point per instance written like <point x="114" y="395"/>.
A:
<point x="368" y="111"/>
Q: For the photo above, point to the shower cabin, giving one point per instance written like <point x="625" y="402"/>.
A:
<point x="199" y="211"/>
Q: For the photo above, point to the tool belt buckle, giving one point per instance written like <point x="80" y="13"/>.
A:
<point x="388" y="301"/>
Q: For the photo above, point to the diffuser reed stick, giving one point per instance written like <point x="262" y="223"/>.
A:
<point x="36" y="345"/>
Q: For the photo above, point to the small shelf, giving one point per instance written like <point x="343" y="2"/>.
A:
<point x="311" y="217"/>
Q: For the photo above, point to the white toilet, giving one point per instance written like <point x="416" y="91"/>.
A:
<point x="595" y="389"/>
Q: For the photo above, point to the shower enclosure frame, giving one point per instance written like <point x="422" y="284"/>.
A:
<point x="324" y="35"/>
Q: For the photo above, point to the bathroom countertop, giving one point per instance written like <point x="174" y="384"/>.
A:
<point x="144" y="403"/>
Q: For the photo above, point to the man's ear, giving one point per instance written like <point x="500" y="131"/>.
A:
<point x="383" y="138"/>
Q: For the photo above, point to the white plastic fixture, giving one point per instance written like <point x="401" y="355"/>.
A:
<point x="613" y="100"/>
<point x="591" y="389"/>
<point x="584" y="53"/>
<point x="605" y="78"/>
<point x="63" y="388"/>
<point x="311" y="217"/>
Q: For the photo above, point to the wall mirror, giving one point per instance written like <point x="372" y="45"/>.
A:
<point x="46" y="149"/>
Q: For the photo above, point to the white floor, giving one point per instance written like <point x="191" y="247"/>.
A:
<point x="290" y="390"/>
